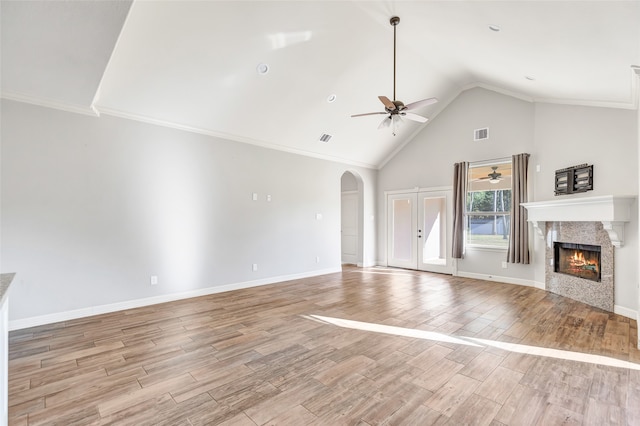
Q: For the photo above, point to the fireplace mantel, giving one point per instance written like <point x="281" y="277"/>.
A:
<point x="612" y="210"/>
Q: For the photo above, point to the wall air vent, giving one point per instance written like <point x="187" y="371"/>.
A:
<point x="481" y="134"/>
<point x="325" y="137"/>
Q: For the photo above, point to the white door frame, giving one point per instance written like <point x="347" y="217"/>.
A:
<point x="447" y="268"/>
<point x="360" y="191"/>
<point x="446" y="191"/>
<point x="355" y="257"/>
<point x="412" y="260"/>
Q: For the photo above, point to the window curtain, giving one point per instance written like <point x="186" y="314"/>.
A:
<point x="518" y="251"/>
<point x="459" y="201"/>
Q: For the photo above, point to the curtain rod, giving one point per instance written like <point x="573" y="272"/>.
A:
<point x="490" y="162"/>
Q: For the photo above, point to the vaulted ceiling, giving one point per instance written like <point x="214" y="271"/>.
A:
<point x="193" y="65"/>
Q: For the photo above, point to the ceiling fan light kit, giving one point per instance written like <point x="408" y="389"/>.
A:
<point x="494" y="176"/>
<point x="396" y="109"/>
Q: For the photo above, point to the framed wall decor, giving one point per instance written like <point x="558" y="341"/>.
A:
<point x="574" y="179"/>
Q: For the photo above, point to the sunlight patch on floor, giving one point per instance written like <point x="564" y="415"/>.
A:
<point x="472" y="341"/>
<point x="389" y="329"/>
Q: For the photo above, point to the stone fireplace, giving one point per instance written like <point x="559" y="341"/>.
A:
<point x="579" y="281"/>
<point x="580" y="235"/>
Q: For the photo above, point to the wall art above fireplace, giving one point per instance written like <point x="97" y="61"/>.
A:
<point x="574" y="179"/>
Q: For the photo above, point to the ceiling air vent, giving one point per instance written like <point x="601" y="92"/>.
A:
<point x="325" y="138"/>
<point x="481" y="134"/>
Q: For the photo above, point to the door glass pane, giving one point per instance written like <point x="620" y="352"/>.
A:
<point x="402" y="229"/>
<point x="434" y="231"/>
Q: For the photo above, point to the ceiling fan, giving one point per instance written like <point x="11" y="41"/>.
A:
<point x="395" y="109"/>
<point x="494" y="176"/>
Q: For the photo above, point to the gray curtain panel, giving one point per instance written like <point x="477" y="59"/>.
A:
<point x="459" y="201"/>
<point x="519" y="231"/>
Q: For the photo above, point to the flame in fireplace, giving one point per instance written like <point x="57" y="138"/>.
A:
<point x="578" y="261"/>
<point x="578" y="258"/>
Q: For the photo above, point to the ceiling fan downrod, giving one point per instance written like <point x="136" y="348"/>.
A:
<point x="395" y="20"/>
<point x="394" y="109"/>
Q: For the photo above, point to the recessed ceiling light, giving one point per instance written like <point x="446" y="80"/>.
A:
<point x="262" y="68"/>
<point x="331" y="98"/>
<point x="494" y="28"/>
<point x="528" y="77"/>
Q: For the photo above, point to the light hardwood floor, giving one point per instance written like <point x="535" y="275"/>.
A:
<point x="416" y="349"/>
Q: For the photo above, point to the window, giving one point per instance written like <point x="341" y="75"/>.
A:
<point x="488" y="210"/>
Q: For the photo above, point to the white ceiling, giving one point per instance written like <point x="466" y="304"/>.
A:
<point x="193" y="64"/>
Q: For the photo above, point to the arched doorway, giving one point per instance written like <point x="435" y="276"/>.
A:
<point x="351" y="219"/>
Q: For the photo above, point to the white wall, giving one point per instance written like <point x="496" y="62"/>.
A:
<point x="92" y="207"/>
<point x="556" y="136"/>
<point x="427" y="161"/>
<point x="607" y="138"/>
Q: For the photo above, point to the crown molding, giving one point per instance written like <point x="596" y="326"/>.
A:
<point x="589" y="103"/>
<point x="632" y="104"/>
<point x="96" y="111"/>
<point x="50" y="103"/>
<point x="230" y="137"/>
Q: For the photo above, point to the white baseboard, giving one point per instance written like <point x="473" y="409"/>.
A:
<point x="137" y="303"/>
<point x="500" y="279"/>
<point x="617" y="309"/>
<point x="625" y="312"/>
<point x="541" y="286"/>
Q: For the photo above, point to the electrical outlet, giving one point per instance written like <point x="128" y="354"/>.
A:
<point x="154" y="280"/>
<point x="255" y="266"/>
<point x="317" y="259"/>
<point x="504" y="265"/>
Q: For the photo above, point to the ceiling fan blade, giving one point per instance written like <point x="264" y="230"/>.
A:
<point x="368" y="113"/>
<point x="420" y="104"/>
<point x="385" y="123"/>
<point x="415" y="117"/>
<point x="387" y="103"/>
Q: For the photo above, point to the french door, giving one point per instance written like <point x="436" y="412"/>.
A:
<point x="419" y="230"/>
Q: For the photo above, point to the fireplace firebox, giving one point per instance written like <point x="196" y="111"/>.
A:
<point x="579" y="260"/>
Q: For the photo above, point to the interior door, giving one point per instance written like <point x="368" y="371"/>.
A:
<point x="419" y="231"/>
<point x="434" y="235"/>
<point x="402" y="231"/>
<point x="349" y="223"/>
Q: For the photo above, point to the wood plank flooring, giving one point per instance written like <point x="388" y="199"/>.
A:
<point x="452" y="351"/>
